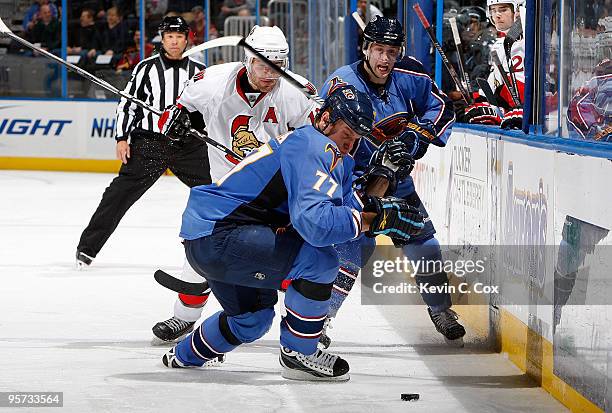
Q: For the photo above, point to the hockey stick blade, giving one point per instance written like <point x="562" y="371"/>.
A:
<point x="460" y="58"/>
<point x="502" y="72"/>
<point x="488" y="92"/>
<point x="515" y="31"/>
<point x="4" y="28"/>
<point x="166" y="280"/>
<point x="359" y="20"/>
<point x="211" y="44"/>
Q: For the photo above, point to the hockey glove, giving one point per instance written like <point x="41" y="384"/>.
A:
<point x="513" y="119"/>
<point x="482" y="113"/>
<point x="601" y="133"/>
<point x="394" y="218"/>
<point x="418" y="134"/>
<point x="395" y="155"/>
<point x="175" y="123"/>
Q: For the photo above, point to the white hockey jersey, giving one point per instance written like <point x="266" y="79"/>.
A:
<point x="239" y="120"/>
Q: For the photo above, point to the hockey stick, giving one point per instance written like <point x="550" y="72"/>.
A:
<point x="488" y="92"/>
<point x="211" y="44"/>
<point x="180" y="286"/>
<point x="460" y="57"/>
<point x="502" y="71"/>
<point x="513" y="34"/>
<point x="4" y="30"/>
<point x="293" y="81"/>
<point x="359" y="20"/>
<point x="451" y="70"/>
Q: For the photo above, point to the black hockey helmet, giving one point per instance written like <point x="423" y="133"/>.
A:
<point x="352" y="106"/>
<point x="475" y="12"/>
<point x="173" y="24"/>
<point x="384" y="30"/>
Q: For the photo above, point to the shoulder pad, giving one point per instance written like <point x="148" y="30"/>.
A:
<point x="412" y="64"/>
<point x="199" y="75"/>
<point x="303" y="81"/>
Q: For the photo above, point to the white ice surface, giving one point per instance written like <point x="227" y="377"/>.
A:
<point x="88" y="334"/>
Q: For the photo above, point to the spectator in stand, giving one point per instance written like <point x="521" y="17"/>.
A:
<point x="589" y="114"/>
<point x="365" y="14"/>
<point x="101" y="8"/>
<point x="47" y="30"/>
<point x="83" y="39"/>
<point x="198" y="27"/>
<point x="155" y="11"/>
<point x="233" y="8"/>
<point x="114" y="37"/>
<point x="131" y="56"/>
<point x="32" y="15"/>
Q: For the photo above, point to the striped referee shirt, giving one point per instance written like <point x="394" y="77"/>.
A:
<point x="157" y="81"/>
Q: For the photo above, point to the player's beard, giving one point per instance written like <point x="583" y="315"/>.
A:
<point x="263" y="85"/>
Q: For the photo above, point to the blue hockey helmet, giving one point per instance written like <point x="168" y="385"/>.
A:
<point x="384" y="30"/>
<point x="352" y="106"/>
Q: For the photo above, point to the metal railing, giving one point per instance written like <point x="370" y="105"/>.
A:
<point x="238" y="26"/>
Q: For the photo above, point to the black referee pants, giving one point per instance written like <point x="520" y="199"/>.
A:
<point x="149" y="159"/>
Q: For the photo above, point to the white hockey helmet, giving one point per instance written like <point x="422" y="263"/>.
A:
<point x="270" y="42"/>
<point x="514" y="3"/>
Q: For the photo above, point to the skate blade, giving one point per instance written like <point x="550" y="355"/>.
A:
<point x="210" y="363"/>
<point x="81" y="266"/>
<point x="457" y="343"/>
<point x="215" y="362"/>
<point x="299" y="375"/>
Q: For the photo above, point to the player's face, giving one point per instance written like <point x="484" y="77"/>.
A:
<point x="382" y="58"/>
<point x="502" y="16"/>
<point x="262" y="77"/>
<point x="174" y="43"/>
<point x="343" y="136"/>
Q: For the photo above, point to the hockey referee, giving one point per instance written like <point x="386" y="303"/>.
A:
<point x="158" y="81"/>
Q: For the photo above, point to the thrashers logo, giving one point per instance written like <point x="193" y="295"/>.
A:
<point x="336" y="155"/>
<point x="243" y="140"/>
<point x="335" y="83"/>
<point x="394" y="125"/>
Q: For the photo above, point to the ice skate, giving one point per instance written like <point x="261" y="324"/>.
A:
<point x="320" y="366"/>
<point x="171" y="330"/>
<point x="446" y="323"/>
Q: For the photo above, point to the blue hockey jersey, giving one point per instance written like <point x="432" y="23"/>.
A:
<point x="299" y="178"/>
<point x="408" y="92"/>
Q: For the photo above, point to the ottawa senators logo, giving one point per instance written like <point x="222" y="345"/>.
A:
<point x="199" y="75"/>
<point x="336" y="155"/>
<point x="243" y="140"/>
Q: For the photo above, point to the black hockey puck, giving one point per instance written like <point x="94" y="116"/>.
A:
<point x="410" y="397"/>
